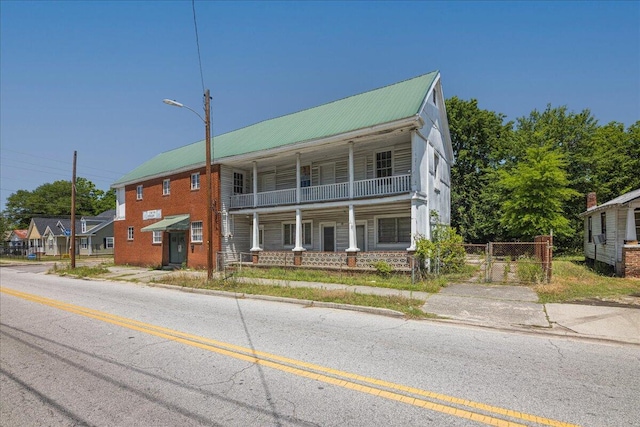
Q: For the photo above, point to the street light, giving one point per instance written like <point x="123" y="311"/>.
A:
<point x="207" y="138"/>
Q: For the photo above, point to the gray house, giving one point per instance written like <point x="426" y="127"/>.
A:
<point x="611" y="232"/>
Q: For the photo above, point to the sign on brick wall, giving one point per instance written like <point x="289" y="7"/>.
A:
<point x="155" y="214"/>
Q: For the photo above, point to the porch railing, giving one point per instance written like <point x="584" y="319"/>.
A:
<point x="322" y="193"/>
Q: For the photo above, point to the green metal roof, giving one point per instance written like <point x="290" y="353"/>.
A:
<point x="387" y="104"/>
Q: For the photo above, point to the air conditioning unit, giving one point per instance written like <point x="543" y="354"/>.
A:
<point x="600" y="239"/>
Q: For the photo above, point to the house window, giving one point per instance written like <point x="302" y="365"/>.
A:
<point x="157" y="237"/>
<point x="130" y="233"/>
<point x="196" y="231"/>
<point x="436" y="164"/>
<point x="108" y="242"/>
<point x="383" y="164"/>
<point x="238" y="183"/>
<point x="289" y="233"/>
<point x="637" y="214"/>
<point x="590" y="229"/>
<point x="139" y="192"/>
<point x="394" y="230"/>
<point x="195" y="181"/>
<point x="83" y="243"/>
<point x="603" y="224"/>
<point x="305" y="176"/>
<point x="166" y="187"/>
<point x="83" y="226"/>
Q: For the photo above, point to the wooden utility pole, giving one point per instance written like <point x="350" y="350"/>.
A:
<point x="72" y="246"/>
<point x="207" y="126"/>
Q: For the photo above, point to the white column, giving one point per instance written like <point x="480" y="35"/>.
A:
<point x="414" y="225"/>
<point x="90" y="247"/>
<point x="353" y="237"/>
<point x="298" y="246"/>
<point x="631" y="234"/>
<point x="255" y="184"/>
<point x="256" y="233"/>
<point x="297" y="181"/>
<point x="351" y="174"/>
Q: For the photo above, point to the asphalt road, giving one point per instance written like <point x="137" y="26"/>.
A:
<point x="81" y="352"/>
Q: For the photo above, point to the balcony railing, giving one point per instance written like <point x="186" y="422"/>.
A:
<point x="323" y="193"/>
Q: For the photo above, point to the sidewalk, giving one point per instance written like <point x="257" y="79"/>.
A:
<point x="493" y="306"/>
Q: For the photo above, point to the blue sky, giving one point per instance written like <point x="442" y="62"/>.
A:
<point x="91" y="76"/>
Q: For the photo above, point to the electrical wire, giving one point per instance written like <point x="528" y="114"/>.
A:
<point x="195" y="25"/>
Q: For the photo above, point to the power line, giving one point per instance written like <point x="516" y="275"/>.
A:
<point x="59" y="161"/>
<point x="195" y="25"/>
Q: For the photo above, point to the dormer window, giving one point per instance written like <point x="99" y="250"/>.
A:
<point x="83" y="226"/>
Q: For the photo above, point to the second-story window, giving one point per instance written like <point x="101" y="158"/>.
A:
<point x="238" y="183"/>
<point x="139" y="192"/>
<point x="383" y="164"/>
<point x="83" y="226"/>
<point x="166" y="187"/>
<point x="195" y="181"/>
<point x="305" y="176"/>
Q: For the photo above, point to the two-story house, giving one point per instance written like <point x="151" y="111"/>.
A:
<point x="345" y="183"/>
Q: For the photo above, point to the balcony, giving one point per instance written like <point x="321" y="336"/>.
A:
<point x="375" y="187"/>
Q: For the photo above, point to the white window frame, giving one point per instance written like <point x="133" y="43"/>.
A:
<point x="83" y="226"/>
<point x="139" y="190"/>
<point x="390" y="244"/>
<point x="109" y="243"/>
<point x="375" y="163"/>
<point x="194" y="230"/>
<point x="195" y="181"/>
<point x="233" y="183"/>
<point x="292" y="224"/>
<point x="166" y="187"/>
<point x="156" y="238"/>
<point x="130" y="232"/>
<point x="84" y="243"/>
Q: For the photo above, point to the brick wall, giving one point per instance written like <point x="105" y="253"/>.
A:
<point x="182" y="200"/>
<point x="631" y="260"/>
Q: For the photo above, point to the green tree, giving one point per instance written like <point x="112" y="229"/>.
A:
<point x="480" y="140"/>
<point x="534" y="193"/>
<point x="54" y="199"/>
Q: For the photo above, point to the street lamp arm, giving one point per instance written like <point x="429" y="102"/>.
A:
<point x="180" y="105"/>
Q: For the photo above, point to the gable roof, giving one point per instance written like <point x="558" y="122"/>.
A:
<point x="42" y="223"/>
<point x="20" y="234"/>
<point x="620" y="200"/>
<point x="384" y="105"/>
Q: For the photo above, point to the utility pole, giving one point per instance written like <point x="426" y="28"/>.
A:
<point x="72" y="246"/>
<point x="207" y="126"/>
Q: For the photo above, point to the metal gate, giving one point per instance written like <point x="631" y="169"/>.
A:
<point x="512" y="262"/>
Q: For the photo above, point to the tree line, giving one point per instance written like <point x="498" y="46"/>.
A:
<point x="515" y="180"/>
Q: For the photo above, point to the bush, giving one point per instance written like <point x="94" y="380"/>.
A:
<point x="382" y="268"/>
<point x="529" y="270"/>
<point x="444" y="253"/>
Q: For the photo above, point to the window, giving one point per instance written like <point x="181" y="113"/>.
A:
<point x="157" y="237"/>
<point x="166" y="187"/>
<point x="289" y="233"/>
<point x="305" y="176"/>
<point x="590" y="229"/>
<point x="394" y="230"/>
<point x="196" y="231"/>
<point x="637" y="214"/>
<point x="434" y="98"/>
<point x="383" y="164"/>
<point x="83" y="226"/>
<point x="238" y="183"/>
<point x="603" y="224"/>
<point x="108" y="242"/>
<point x="139" y="192"/>
<point x="130" y="233"/>
<point x="83" y="243"/>
<point x="195" y="181"/>
<point x="436" y="164"/>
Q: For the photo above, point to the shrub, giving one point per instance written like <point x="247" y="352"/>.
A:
<point x="442" y="254"/>
<point x="382" y="268"/>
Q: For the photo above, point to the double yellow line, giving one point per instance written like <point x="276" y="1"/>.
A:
<point x="450" y="405"/>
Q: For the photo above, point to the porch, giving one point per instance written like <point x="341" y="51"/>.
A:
<point x="365" y="188"/>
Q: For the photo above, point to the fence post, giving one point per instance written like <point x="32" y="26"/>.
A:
<point x="487" y="271"/>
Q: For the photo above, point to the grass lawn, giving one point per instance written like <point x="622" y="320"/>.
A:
<point x="573" y="281"/>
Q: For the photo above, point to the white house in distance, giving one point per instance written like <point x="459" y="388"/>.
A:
<point x="611" y="233"/>
<point x="345" y="183"/>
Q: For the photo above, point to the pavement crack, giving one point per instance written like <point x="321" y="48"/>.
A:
<point x="557" y="349"/>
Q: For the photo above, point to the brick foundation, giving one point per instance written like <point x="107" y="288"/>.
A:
<point x="631" y="260"/>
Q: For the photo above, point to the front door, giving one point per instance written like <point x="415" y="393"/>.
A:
<point x="328" y="238"/>
<point x="177" y="248"/>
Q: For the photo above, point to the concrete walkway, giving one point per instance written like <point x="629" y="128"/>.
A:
<point x="493" y="306"/>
